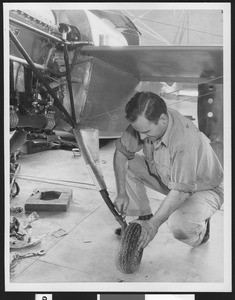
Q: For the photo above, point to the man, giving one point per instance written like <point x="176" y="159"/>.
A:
<point x="177" y="161"/>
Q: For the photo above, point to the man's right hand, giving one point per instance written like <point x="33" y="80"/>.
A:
<point x="121" y="203"/>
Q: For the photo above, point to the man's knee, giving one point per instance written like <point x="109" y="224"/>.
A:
<point x="182" y="227"/>
<point x="137" y="164"/>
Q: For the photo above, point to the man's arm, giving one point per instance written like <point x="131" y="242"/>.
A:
<point x="120" y="163"/>
<point x="172" y="201"/>
<point x="182" y="182"/>
<point x="149" y="228"/>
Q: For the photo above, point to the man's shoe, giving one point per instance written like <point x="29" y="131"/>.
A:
<point x="118" y="231"/>
<point x="207" y="234"/>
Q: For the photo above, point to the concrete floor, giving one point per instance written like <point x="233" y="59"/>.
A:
<point x="87" y="253"/>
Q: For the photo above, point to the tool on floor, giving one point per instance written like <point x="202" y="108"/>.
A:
<point x="17" y="255"/>
<point x="59" y="233"/>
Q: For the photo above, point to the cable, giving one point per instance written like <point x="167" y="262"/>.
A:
<point x="190" y="29"/>
<point x="58" y="182"/>
<point x="156" y="37"/>
<point x="183" y="28"/>
<point x="191" y="98"/>
<point x="209" y="80"/>
<point x="167" y="24"/>
<point x="150" y="30"/>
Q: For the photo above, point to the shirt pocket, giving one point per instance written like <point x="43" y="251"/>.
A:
<point x="162" y="163"/>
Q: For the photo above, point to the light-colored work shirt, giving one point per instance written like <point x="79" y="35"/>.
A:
<point x="183" y="158"/>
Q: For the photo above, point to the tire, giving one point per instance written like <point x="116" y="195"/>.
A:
<point x="128" y="257"/>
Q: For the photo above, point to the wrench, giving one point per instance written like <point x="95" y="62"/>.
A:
<point x="18" y="255"/>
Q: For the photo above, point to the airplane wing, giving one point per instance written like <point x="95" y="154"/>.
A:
<point x="194" y="64"/>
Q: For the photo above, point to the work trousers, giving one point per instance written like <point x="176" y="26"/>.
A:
<point x="187" y="223"/>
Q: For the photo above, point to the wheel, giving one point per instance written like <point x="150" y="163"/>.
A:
<point x="128" y="257"/>
<point x="15" y="189"/>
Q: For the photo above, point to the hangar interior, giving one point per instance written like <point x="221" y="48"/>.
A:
<point x="73" y="240"/>
<point x="87" y="252"/>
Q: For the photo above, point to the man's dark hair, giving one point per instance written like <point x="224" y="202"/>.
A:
<point x="145" y="103"/>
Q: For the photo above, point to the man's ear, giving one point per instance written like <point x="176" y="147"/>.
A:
<point x="163" y="118"/>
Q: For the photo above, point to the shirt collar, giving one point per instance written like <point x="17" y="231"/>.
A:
<point x="165" y="138"/>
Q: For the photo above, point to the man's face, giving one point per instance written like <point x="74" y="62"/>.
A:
<point x="150" y="129"/>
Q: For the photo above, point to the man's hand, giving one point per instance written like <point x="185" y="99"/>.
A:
<point x="148" y="232"/>
<point x="121" y="202"/>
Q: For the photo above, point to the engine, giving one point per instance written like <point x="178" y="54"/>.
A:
<point x="31" y="105"/>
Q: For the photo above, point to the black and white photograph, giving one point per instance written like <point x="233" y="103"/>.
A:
<point x="117" y="146"/>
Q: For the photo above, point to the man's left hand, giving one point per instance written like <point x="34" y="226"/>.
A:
<point x="148" y="232"/>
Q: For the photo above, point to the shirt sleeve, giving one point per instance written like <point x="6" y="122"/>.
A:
<point x="129" y="143"/>
<point x="184" y="169"/>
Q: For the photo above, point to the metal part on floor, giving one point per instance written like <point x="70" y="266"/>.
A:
<point x="18" y="255"/>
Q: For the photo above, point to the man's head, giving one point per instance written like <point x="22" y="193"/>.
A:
<point x="147" y="113"/>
